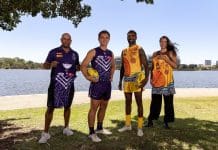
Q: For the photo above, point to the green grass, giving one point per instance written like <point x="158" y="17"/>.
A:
<point x="196" y="127"/>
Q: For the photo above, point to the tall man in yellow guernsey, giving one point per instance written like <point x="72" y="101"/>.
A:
<point x="134" y="71"/>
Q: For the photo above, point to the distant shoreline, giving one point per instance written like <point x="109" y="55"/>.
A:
<point x="20" y="63"/>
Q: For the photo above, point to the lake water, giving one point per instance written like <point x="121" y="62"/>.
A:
<point x="21" y="82"/>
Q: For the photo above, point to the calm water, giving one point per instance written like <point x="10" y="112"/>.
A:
<point x="19" y="82"/>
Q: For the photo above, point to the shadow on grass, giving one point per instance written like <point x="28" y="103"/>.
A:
<point x="187" y="133"/>
<point x="15" y="137"/>
<point x="9" y="132"/>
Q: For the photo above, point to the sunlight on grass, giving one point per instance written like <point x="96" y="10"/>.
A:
<point x="196" y="127"/>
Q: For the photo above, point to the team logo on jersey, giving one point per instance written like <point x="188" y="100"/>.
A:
<point x="59" y="55"/>
<point x="104" y="62"/>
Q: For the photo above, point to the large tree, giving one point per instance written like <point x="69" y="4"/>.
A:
<point x="12" y="10"/>
<point x="73" y="10"/>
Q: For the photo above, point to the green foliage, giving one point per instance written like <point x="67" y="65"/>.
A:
<point x="18" y="63"/>
<point x="12" y="10"/>
<point x="73" y="10"/>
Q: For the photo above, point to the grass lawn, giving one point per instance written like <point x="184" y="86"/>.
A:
<point x="196" y="127"/>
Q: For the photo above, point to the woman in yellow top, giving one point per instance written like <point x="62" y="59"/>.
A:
<point x="163" y="63"/>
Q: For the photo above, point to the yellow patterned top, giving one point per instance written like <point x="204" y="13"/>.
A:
<point x="131" y="60"/>
<point x="162" y="73"/>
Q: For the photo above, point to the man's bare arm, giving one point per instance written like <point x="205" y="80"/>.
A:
<point x="85" y="64"/>
<point x="113" y="67"/>
<point x="121" y="73"/>
<point x="47" y="65"/>
<point x="144" y="62"/>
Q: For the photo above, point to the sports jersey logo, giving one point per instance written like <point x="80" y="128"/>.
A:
<point x="64" y="80"/>
<point x="104" y="62"/>
<point x="59" y="55"/>
<point x="67" y="67"/>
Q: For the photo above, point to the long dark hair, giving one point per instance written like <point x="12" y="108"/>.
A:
<point x="170" y="46"/>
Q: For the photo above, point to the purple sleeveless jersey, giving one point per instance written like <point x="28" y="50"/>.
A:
<point x="102" y="63"/>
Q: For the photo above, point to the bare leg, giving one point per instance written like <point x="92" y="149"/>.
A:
<point x="48" y="118"/>
<point x="67" y="112"/>
<point x="128" y="97"/>
<point x="101" y="114"/>
<point x="92" y="113"/>
<point x="102" y="110"/>
<point x="138" y="97"/>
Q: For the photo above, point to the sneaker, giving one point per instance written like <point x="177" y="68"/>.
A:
<point x="44" y="137"/>
<point x="140" y="132"/>
<point x="125" y="128"/>
<point x="103" y="131"/>
<point x="67" y="132"/>
<point x="94" y="138"/>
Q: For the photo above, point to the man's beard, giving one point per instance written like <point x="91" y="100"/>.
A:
<point x="132" y="42"/>
<point x="65" y="46"/>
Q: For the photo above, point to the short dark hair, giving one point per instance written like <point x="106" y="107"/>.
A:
<point x="103" y="32"/>
<point x="132" y="31"/>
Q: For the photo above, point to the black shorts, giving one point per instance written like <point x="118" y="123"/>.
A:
<point x="50" y="98"/>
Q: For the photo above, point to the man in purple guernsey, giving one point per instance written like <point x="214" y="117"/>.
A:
<point x="63" y="62"/>
<point x="102" y="60"/>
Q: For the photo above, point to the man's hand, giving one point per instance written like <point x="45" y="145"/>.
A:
<point x="54" y="64"/>
<point x="120" y="86"/>
<point x="143" y="82"/>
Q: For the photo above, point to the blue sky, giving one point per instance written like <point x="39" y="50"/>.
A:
<point x="193" y="24"/>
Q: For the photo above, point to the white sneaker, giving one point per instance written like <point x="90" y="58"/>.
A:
<point x="125" y="128"/>
<point x="103" y="131"/>
<point x="94" y="138"/>
<point x="140" y="132"/>
<point x="44" y="138"/>
<point x="67" y="132"/>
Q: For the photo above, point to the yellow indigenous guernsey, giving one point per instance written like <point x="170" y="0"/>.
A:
<point x="162" y="77"/>
<point x="133" y="74"/>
